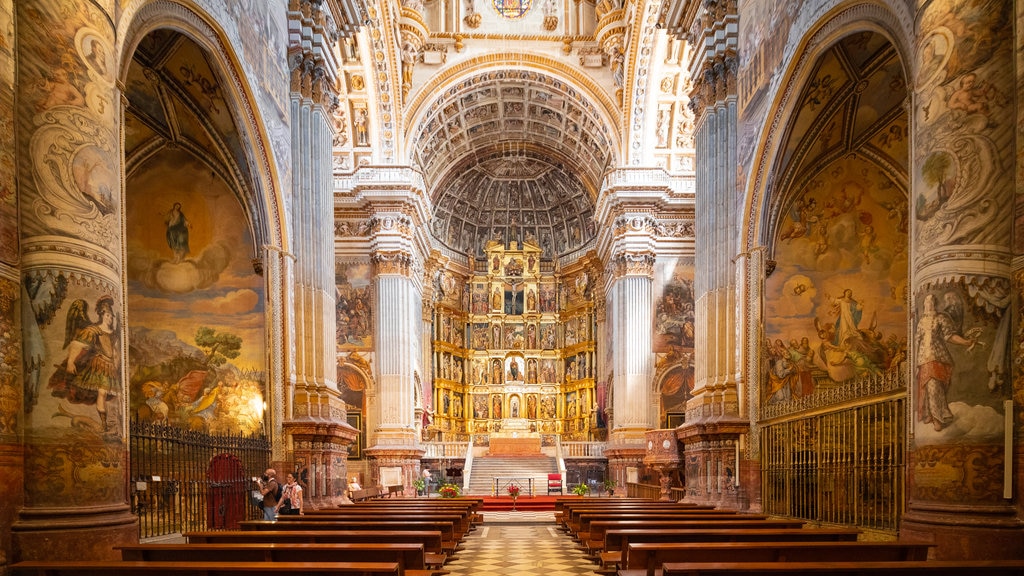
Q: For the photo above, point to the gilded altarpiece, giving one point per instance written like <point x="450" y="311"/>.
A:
<point x="517" y="357"/>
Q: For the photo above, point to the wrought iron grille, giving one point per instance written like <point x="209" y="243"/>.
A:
<point x="182" y="480"/>
<point x="844" y="467"/>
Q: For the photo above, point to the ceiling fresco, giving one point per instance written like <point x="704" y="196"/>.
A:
<point x="852" y="104"/>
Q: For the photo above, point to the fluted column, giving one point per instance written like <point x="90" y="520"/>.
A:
<point x="630" y="299"/>
<point x="315" y="420"/>
<point x="70" y="189"/>
<point x="714" y="423"/>
<point x="962" y="495"/>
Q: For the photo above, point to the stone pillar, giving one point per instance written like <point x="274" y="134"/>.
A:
<point x="629" y="304"/>
<point x="960" y="493"/>
<point x="713" y="417"/>
<point x="11" y="383"/>
<point x="315" y="424"/>
<point x="397" y="249"/>
<point x="70" y="189"/>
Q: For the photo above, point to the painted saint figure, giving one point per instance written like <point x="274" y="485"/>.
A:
<point x="89" y="375"/>
<point x="177" y="232"/>
<point x="935" y="363"/>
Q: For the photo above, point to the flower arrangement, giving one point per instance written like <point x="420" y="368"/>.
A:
<point x="449" y="491"/>
<point x="513" y="491"/>
<point x="581" y="489"/>
<point x="420" y="485"/>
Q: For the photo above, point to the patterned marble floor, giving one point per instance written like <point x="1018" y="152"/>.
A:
<point x="520" y="544"/>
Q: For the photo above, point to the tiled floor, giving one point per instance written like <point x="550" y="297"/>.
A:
<point x="520" y="544"/>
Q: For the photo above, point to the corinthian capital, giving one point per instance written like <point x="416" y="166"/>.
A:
<point x="392" y="263"/>
<point x="632" y="264"/>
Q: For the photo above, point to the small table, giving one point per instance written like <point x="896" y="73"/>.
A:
<point x="501" y="484"/>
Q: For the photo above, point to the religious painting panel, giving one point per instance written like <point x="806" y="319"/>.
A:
<point x="674" y="307"/>
<point x="835" y="302"/>
<point x="481" y="407"/>
<point x="548" y="298"/>
<point x="548" y="406"/>
<point x="532" y="372"/>
<point x="571" y="407"/>
<point x="676" y="388"/>
<point x="456" y="407"/>
<point x="531" y="337"/>
<point x="497" y="411"/>
<point x="198" y="342"/>
<point x="548" y="371"/>
<point x="352" y="387"/>
<point x="548" y="335"/>
<point x="8" y="202"/>
<point x="514" y="337"/>
<point x="354" y="306"/>
<point x="480" y="295"/>
<point x="478" y="337"/>
<point x="514" y="369"/>
<point x="531" y="406"/>
<point x="355" y="450"/>
<point x="513" y="298"/>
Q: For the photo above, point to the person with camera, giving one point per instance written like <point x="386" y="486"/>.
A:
<point x="271" y="491"/>
<point x="291" y="500"/>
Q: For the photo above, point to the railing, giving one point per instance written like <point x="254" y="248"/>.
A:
<point x="183" y="480"/>
<point x="637" y="490"/>
<point x="444" y="450"/>
<point x="583" y="449"/>
<point x="844" y="467"/>
<point x="467" y="468"/>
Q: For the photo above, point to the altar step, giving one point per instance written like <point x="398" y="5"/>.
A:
<point x="487" y="468"/>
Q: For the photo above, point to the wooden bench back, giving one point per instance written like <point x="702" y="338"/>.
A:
<point x="446" y="528"/>
<point x="583" y="521"/>
<point x="646" y="557"/>
<point x="599" y="528"/>
<point x="118" y="568"/>
<point x="431" y="539"/>
<point x="908" y="568"/>
<point x="619" y="539"/>
<point x="409" y="555"/>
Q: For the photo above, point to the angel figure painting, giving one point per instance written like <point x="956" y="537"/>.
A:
<point x="88" y="375"/>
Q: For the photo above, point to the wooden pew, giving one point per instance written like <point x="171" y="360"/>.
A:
<point x="617" y="540"/>
<point x="599" y="528"/>
<point x="434" y="555"/>
<point x="460" y="519"/>
<point x="446" y="528"/>
<point x="570" y="510"/>
<point x="574" y="516"/>
<point x="410" y="556"/>
<point x="906" y="568"/>
<point x="581" y="525"/>
<point x="122" y="568"/>
<point x="646" y="558"/>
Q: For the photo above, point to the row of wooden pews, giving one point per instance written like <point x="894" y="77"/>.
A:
<point x="632" y="537"/>
<point x="406" y="537"/>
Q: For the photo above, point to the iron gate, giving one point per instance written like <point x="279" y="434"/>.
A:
<point x="183" y="480"/>
<point x="844" y="467"/>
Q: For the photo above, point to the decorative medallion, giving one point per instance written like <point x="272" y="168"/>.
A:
<point x="512" y="9"/>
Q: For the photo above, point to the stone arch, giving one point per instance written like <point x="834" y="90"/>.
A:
<point x="895" y="24"/>
<point x="264" y="204"/>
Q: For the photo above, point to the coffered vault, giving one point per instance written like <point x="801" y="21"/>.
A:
<point x="513" y="154"/>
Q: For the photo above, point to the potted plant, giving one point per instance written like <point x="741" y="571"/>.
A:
<point x="581" y="489"/>
<point x="609" y="485"/>
<point x="449" y="491"/>
<point x="420" y="484"/>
